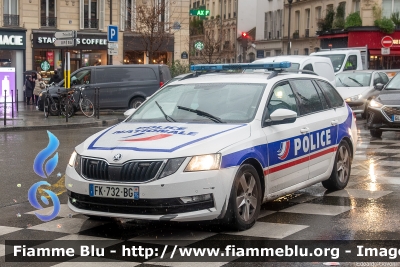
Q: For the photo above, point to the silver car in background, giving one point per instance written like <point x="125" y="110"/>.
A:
<point x="357" y="87"/>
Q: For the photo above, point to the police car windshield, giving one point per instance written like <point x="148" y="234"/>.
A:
<point x="337" y="60"/>
<point x="394" y="83"/>
<point x="228" y="102"/>
<point x="353" y="79"/>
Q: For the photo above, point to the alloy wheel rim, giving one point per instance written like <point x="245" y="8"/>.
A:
<point x="343" y="164"/>
<point x="246" y="196"/>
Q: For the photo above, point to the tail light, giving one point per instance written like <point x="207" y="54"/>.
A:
<point x="161" y="84"/>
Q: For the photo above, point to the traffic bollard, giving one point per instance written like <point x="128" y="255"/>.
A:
<point x="5" y="107"/>
<point x="95" y="102"/>
<point x="98" y="102"/>
<point x="12" y="104"/>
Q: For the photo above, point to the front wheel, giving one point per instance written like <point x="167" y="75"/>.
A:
<point x="87" y="107"/>
<point x="136" y="102"/>
<point x="341" y="169"/>
<point x="245" y="199"/>
<point x="376" y="133"/>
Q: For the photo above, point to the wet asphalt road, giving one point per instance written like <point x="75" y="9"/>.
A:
<point x="367" y="210"/>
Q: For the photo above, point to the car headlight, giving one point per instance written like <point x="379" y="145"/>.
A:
<point x="353" y="98"/>
<point x="204" y="163"/>
<point x="171" y="167"/>
<point x="375" y="104"/>
<point x="75" y="161"/>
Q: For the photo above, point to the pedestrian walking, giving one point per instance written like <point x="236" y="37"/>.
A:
<point x="56" y="78"/>
<point x="39" y="86"/>
<point x="28" y="89"/>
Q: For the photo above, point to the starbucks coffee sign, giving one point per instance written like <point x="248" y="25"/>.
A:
<point x="83" y="41"/>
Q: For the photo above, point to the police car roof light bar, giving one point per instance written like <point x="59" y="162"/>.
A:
<point x="239" y="66"/>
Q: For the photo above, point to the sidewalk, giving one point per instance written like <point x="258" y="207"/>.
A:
<point x="28" y="118"/>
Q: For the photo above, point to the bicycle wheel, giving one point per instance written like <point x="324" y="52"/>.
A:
<point x="66" y="104"/>
<point x="54" y="108"/>
<point x="87" y="107"/>
<point x="46" y="107"/>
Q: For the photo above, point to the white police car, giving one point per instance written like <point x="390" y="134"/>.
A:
<point x="216" y="146"/>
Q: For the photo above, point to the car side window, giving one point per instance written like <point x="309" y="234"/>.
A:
<point x="82" y="77"/>
<point x="308" y="67"/>
<point x="351" y="62"/>
<point x="384" y="77"/>
<point x="324" y="102"/>
<point x="330" y="92"/>
<point x="310" y="101"/>
<point x="282" y="97"/>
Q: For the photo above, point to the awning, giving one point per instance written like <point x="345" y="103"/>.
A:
<point x="377" y="52"/>
<point x="331" y="36"/>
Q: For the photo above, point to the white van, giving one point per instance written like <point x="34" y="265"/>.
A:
<point x="320" y="65"/>
<point x="345" y="59"/>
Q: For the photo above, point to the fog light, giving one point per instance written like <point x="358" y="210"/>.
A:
<point x="196" y="198"/>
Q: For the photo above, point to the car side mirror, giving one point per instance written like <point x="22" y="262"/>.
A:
<point x="282" y="116"/>
<point x="129" y="112"/>
<point x="379" y="86"/>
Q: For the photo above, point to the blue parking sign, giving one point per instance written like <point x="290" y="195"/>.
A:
<point x="112" y="33"/>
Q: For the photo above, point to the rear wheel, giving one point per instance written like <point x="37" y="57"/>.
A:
<point x="376" y="133"/>
<point x="46" y="107"/>
<point x="67" y="106"/>
<point x="136" y="102"/>
<point x="245" y="199"/>
<point x="341" y="169"/>
<point x="87" y="107"/>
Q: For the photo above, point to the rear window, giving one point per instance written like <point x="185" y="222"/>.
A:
<point x="106" y="75"/>
<point x="165" y="74"/>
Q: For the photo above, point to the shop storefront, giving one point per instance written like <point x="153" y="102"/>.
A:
<point x="370" y="37"/>
<point x="91" y="50"/>
<point x="12" y="54"/>
<point x="135" y="51"/>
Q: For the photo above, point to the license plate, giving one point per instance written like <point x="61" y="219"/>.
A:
<point x="114" y="191"/>
<point x="396" y="117"/>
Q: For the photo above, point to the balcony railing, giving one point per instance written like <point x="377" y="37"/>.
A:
<point x="307" y="33"/>
<point x="10" y="20"/>
<point x="91" y="23"/>
<point x="128" y="25"/>
<point x="48" y="21"/>
<point x="296" y="34"/>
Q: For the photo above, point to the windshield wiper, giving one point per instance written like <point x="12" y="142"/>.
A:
<point x="168" y="118"/>
<point x="203" y="114"/>
<point x="354" y="80"/>
<point x="343" y="82"/>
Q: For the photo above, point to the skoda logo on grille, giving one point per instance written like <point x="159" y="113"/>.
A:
<point x="117" y="157"/>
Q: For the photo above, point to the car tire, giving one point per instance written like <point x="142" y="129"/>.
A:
<point x="341" y="168"/>
<point x="136" y="102"/>
<point x="376" y="133"/>
<point x="245" y="199"/>
<point x="364" y="115"/>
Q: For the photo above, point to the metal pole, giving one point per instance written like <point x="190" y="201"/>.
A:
<point x="5" y="107"/>
<point x="16" y="99"/>
<point x="95" y="102"/>
<point x="288" y="47"/>
<point x="12" y="104"/>
<point x="110" y="62"/>
<point x="98" y="102"/>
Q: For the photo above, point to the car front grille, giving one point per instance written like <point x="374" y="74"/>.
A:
<point x="390" y="111"/>
<point x="162" y="206"/>
<point x="135" y="171"/>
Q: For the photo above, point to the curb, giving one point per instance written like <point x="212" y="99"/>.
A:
<point x="60" y="126"/>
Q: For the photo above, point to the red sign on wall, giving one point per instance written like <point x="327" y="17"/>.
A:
<point x="50" y="58"/>
<point x="387" y="41"/>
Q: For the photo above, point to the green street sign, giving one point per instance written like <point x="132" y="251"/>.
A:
<point x="199" y="45"/>
<point x="199" y="12"/>
<point x="45" y="65"/>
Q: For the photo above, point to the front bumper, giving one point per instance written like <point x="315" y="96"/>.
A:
<point x="379" y="118"/>
<point x="159" y="199"/>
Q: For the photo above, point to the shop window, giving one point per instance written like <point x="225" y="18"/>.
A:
<point x="10" y="13"/>
<point x="46" y="61"/>
<point x="94" y="57"/>
<point x="92" y="14"/>
<point x="48" y="13"/>
<point x="128" y="19"/>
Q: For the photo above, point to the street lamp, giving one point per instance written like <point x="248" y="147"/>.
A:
<point x="290" y="8"/>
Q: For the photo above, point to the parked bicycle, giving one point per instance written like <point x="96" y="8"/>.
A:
<point x="85" y="105"/>
<point x="62" y="105"/>
<point x="50" y="105"/>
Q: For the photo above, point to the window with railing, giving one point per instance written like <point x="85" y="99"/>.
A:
<point x="92" y="14"/>
<point x="266" y="25"/>
<point x="307" y="19"/>
<point x="48" y="16"/>
<point x="128" y="20"/>
<point x="10" y="13"/>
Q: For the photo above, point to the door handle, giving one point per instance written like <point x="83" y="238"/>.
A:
<point x="304" y="130"/>
<point x="334" y="122"/>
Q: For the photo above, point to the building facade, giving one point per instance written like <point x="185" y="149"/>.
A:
<point x="27" y="29"/>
